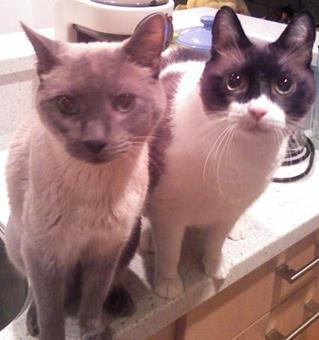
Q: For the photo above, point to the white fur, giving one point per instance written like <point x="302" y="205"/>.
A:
<point x="211" y="176"/>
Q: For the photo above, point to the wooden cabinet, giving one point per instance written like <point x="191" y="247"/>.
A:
<point x="167" y="333"/>
<point x="232" y="310"/>
<point x="256" y="304"/>
<point x="313" y="330"/>
<point x="285" y="318"/>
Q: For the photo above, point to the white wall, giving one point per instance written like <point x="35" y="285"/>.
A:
<point x="36" y="13"/>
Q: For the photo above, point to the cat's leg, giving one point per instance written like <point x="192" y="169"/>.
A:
<point x="167" y="238"/>
<point x="48" y="291"/>
<point x="97" y="277"/>
<point x="214" y="262"/>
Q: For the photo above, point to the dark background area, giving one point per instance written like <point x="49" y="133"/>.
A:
<point x="269" y="8"/>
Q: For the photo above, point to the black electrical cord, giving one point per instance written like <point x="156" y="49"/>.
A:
<point x="310" y="151"/>
<point x="305" y="151"/>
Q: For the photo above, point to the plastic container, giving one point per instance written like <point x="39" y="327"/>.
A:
<point x="198" y="38"/>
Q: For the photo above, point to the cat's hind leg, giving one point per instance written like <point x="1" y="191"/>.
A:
<point x="119" y="302"/>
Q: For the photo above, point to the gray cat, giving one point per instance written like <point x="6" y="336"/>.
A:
<point x="77" y="171"/>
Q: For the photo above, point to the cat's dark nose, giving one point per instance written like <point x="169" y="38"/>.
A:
<point x="95" y="146"/>
<point x="257" y="113"/>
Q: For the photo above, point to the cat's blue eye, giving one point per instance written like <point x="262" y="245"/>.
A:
<point x="124" y="102"/>
<point x="67" y="105"/>
<point x="235" y="82"/>
<point x="284" y="85"/>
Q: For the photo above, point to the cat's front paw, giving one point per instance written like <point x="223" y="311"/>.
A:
<point x="236" y="234"/>
<point x="217" y="269"/>
<point x="146" y="241"/>
<point x="169" y="288"/>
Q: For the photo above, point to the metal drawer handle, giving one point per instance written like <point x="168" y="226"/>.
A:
<point x="313" y="307"/>
<point x="292" y="275"/>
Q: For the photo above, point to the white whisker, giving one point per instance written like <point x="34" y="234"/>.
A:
<point x="219" y="155"/>
<point x="211" y="149"/>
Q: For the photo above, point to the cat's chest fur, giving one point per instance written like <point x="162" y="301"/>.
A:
<point x="209" y="167"/>
<point x="71" y="204"/>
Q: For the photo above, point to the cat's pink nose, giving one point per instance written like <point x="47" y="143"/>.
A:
<point x="257" y="113"/>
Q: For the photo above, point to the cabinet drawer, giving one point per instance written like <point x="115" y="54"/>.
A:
<point x="295" y="257"/>
<point x="312" y="332"/>
<point x="286" y="317"/>
<point x="240" y="305"/>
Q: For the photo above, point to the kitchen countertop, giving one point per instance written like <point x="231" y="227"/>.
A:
<point x="283" y="215"/>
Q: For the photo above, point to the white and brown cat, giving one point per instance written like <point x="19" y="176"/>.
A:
<point x="224" y="136"/>
<point x="77" y="171"/>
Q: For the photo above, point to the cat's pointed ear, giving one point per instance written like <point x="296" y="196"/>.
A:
<point x="227" y="32"/>
<point x="297" y="39"/>
<point x="147" y="42"/>
<point x="45" y="49"/>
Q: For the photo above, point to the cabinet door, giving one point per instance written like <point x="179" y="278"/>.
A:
<point x="285" y="318"/>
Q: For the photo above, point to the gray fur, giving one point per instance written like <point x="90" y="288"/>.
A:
<point x="77" y="182"/>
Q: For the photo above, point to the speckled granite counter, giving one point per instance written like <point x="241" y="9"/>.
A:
<point x="283" y="215"/>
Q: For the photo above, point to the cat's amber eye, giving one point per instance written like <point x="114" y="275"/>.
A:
<point x="285" y="85"/>
<point x="67" y="105"/>
<point x="235" y="82"/>
<point x="124" y="102"/>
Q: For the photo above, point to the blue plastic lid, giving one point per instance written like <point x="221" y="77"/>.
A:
<point x="199" y="38"/>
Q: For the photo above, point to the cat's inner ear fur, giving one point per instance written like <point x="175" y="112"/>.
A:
<point x="46" y="50"/>
<point x="227" y="32"/>
<point x="146" y="44"/>
<point x="297" y="39"/>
